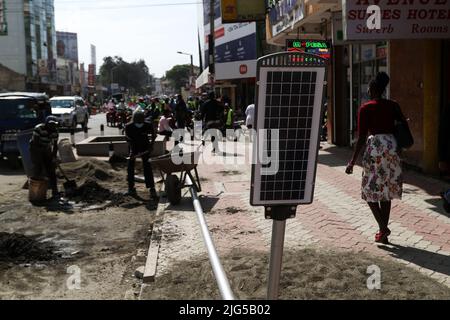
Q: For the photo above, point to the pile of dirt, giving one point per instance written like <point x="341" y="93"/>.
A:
<point x="18" y="248"/>
<point x="91" y="192"/>
<point x="92" y="169"/>
<point x="307" y="275"/>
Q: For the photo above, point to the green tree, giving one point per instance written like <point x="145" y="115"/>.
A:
<point x="179" y="76"/>
<point x="134" y="76"/>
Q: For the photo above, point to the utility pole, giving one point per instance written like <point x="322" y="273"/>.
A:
<point x="192" y="81"/>
<point x="212" y="43"/>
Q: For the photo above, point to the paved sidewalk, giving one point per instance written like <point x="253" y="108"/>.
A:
<point x="338" y="219"/>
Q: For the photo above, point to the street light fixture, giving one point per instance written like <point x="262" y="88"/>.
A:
<point x="192" y="67"/>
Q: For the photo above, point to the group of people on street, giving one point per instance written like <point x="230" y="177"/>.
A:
<point x="150" y="117"/>
<point x="377" y="120"/>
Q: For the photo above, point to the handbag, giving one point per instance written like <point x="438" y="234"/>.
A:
<point x="402" y="133"/>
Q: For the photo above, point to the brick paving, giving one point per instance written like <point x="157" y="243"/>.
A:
<point x="338" y="219"/>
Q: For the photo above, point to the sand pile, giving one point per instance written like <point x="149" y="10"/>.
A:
<point x="96" y="181"/>
<point x="18" y="248"/>
<point x="92" y="169"/>
<point x="307" y="275"/>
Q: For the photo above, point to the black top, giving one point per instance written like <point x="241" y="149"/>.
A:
<point x="138" y="138"/>
<point x="181" y="110"/>
<point x="212" y="111"/>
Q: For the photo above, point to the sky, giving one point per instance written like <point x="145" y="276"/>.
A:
<point x="152" y="30"/>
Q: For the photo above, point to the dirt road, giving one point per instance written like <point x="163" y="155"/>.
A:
<point x="72" y="250"/>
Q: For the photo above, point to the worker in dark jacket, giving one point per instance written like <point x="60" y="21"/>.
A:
<point x="44" y="151"/>
<point x="212" y="115"/>
<point x="137" y="134"/>
<point x="181" y="112"/>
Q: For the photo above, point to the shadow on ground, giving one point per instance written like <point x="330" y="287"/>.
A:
<point x="429" y="260"/>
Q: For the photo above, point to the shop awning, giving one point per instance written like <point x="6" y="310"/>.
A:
<point x="202" y="79"/>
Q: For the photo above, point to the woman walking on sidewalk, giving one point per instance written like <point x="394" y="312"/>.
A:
<point x="382" y="172"/>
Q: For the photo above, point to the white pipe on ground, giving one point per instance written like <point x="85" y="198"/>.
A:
<point x="219" y="273"/>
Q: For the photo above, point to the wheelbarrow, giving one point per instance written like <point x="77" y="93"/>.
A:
<point x="174" y="184"/>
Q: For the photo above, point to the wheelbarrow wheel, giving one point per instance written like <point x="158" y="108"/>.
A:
<point x="173" y="189"/>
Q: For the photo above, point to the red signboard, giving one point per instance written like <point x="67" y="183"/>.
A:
<point x="91" y="75"/>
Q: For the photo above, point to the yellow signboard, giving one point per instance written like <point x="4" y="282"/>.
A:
<point x="235" y="11"/>
<point x="229" y="10"/>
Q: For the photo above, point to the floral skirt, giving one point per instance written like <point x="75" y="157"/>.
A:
<point x="382" y="171"/>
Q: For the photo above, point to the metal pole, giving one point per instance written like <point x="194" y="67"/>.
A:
<point x="219" y="273"/>
<point x="72" y="136"/>
<point x="276" y="259"/>
<point x="212" y="38"/>
<point x="192" y="74"/>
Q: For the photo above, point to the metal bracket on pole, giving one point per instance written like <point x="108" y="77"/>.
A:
<point x="280" y="213"/>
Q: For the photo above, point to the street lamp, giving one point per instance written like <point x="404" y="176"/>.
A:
<point x="192" y="67"/>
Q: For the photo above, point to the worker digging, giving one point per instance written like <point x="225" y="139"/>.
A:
<point x="90" y="173"/>
<point x="137" y="134"/>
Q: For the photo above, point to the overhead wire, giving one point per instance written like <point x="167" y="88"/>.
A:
<point x="61" y="6"/>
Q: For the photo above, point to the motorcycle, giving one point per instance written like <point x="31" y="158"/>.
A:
<point x="124" y="116"/>
<point x="111" y="117"/>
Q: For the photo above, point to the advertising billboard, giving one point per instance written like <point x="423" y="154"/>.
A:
<point x="67" y="45"/>
<point x="3" y="23"/>
<point x="284" y="14"/>
<point x="425" y="19"/>
<point x="235" y="46"/>
<point x="234" y="11"/>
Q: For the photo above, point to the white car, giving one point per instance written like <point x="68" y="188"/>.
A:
<point x="70" y="111"/>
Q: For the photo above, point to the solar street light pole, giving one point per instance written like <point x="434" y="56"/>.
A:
<point x="276" y="259"/>
<point x="279" y="215"/>
<point x="288" y="85"/>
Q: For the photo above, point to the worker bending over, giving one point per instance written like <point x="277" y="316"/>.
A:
<point x="44" y="151"/>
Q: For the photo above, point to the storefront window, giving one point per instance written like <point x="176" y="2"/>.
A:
<point x="367" y="61"/>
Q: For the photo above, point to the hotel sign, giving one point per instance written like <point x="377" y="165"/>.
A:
<point x="3" y="23"/>
<point x="400" y="19"/>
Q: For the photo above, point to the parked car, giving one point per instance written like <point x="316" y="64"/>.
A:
<point x="70" y="111"/>
<point x="19" y="112"/>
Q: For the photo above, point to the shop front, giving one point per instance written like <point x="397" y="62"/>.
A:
<point x="366" y="61"/>
<point x="411" y="46"/>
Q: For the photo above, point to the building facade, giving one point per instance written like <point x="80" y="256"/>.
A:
<point x="412" y="46"/>
<point x="28" y="42"/>
<point x="236" y="52"/>
<point x="68" y="72"/>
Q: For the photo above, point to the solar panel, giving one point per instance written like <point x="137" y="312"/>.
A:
<point x="290" y="96"/>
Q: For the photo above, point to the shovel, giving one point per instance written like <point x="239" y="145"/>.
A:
<point x="138" y="155"/>
<point x="70" y="186"/>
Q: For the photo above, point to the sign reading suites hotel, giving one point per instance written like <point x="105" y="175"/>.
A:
<point x="400" y="19"/>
